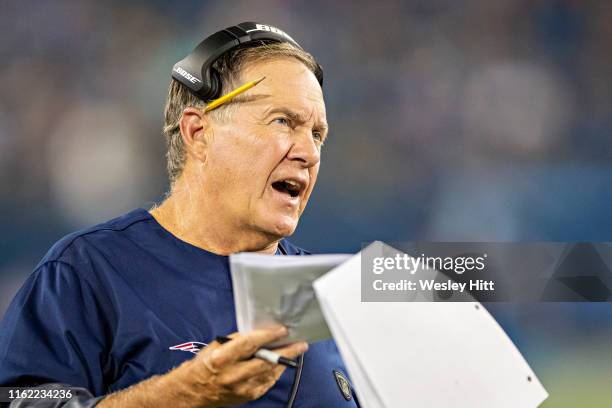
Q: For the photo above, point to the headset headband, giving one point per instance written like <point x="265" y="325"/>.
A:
<point x="195" y="70"/>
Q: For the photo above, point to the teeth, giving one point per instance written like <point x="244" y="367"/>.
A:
<point x="292" y="184"/>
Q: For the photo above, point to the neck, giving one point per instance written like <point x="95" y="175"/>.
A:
<point x="187" y="215"/>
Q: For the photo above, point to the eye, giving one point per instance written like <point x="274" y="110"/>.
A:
<point x="281" y="121"/>
<point x="318" y="136"/>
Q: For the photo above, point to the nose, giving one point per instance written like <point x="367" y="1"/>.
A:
<point x="304" y="149"/>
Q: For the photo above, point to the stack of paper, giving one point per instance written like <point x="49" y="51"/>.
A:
<point x="423" y="354"/>
<point x="278" y="290"/>
<point x="398" y="354"/>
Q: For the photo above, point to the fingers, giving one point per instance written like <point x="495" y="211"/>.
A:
<point x="231" y="375"/>
<point x="244" y="346"/>
<point x="292" y="350"/>
<point x="256" y="386"/>
<point x="252" y="390"/>
<point x="244" y="370"/>
<point x="206" y="356"/>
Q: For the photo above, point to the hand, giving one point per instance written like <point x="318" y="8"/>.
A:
<point x="220" y="375"/>
<point x="226" y="375"/>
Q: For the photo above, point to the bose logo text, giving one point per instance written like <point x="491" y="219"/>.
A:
<point x="265" y="27"/>
<point x="186" y="75"/>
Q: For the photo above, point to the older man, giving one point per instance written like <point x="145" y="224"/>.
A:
<point x="118" y="311"/>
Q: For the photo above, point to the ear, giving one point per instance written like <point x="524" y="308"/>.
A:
<point x="195" y="128"/>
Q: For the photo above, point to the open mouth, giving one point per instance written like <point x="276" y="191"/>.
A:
<point x="291" y="187"/>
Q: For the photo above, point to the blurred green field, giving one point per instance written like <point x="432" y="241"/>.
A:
<point x="579" y="376"/>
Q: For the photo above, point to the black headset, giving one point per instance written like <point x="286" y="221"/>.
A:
<point x="195" y="71"/>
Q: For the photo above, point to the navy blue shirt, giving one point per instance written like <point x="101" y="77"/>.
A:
<point x="107" y="306"/>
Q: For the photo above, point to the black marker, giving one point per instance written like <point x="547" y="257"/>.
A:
<point x="265" y="354"/>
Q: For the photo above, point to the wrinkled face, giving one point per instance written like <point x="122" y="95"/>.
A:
<point x="262" y="165"/>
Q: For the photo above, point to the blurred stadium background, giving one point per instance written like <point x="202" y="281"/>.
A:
<point x="450" y="121"/>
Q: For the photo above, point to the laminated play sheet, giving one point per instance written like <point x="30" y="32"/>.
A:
<point x="278" y="290"/>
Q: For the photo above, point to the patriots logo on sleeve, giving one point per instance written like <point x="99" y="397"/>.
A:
<point x="190" y="346"/>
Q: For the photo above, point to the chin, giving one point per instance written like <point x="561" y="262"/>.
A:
<point x="281" y="226"/>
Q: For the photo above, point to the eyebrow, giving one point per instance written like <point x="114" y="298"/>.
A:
<point x="294" y="116"/>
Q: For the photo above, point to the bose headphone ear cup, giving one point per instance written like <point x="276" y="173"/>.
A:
<point x="196" y="71"/>
<point x="215" y="85"/>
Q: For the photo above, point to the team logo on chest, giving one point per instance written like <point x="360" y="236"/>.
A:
<point x="343" y="384"/>
<point x="190" y="346"/>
